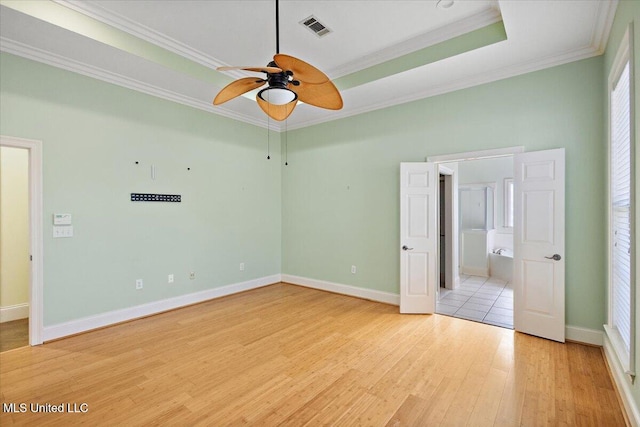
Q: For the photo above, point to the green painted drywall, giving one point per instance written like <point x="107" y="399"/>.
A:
<point x="341" y="188"/>
<point x="628" y="12"/>
<point x="93" y="133"/>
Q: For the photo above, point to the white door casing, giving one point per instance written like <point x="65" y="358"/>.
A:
<point x="36" y="287"/>
<point x="539" y="292"/>
<point x="418" y="237"/>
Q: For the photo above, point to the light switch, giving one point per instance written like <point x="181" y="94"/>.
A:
<point x="62" y="231"/>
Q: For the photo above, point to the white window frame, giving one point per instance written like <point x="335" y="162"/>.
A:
<point x="626" y="358"/>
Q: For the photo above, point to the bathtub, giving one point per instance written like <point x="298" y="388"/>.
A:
<point x="501" y="265"/>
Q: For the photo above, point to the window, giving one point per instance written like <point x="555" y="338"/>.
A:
<point x="620" y="328"/>
<point x="508" y="202"/>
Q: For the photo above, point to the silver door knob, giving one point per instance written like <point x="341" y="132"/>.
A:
<point x="555" y="257"/>
<point x="405" y="248"/>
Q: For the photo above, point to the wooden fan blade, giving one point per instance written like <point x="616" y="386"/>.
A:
<point x="323" y="95"/>
<point x="237" y="88"/>
<point x="301" y="70"/>
<point x="277" y="112"/>
<point x="255" y="69"/>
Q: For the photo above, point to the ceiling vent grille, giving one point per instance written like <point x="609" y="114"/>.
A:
<point x="315" y="26"/>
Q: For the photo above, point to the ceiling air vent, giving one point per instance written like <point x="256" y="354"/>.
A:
<point x="315" y="26"/>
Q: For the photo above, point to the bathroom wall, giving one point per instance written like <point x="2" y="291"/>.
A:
<point x="491" y="171"/>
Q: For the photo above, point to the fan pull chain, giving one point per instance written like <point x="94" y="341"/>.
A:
<point x="286" y="144"/>
<point x="268" y="134"/>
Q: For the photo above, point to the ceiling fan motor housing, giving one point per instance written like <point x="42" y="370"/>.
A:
<point x="278" y="92"/>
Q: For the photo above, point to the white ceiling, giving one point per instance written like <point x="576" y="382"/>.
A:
<point x="210" y="33"/>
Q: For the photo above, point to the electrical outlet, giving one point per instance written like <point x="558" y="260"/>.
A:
<point x="353" y="269"/>
<point x="139" y="284"/>
<point x="192" y="275"/>
<point x="242" y="266"/>
<point x="170" y="278"/>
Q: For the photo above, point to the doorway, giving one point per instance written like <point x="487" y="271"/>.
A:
<point x="14" y="248"/>
<point x="21" y="239"/>
<point x="538" y="216"/>
<point x="484" y="292"/>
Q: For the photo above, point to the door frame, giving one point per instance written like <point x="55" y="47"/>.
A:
<point x="460" y="157"/>
<point x="451" y="274"/>
<point x="36" y="285"/>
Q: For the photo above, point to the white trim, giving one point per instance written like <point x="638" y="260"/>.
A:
<point x="475" y="155"/>
<point x="36" y="288"/>
<point x="338" y="288"/>
<point x="475" y="271"/>
<point x="584" y="335"/>
<point x="463" y="83"/>
<point x="25" y="51"/>
<point x="624" y="54"/>
<point x="623" y="383"/>
<point x="117" y="316"/>
<point x="143" y="32"/>
<point x="14" y="312"/>
<point x="602" y="27"/>
<point x="466" y="25"/>
<point x="35" y="54"/>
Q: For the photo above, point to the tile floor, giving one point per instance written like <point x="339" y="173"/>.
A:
<point x="481" y="299"/>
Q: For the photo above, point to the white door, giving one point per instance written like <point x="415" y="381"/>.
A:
<point x="538" y="236"/>
<point x="418" y="237"/>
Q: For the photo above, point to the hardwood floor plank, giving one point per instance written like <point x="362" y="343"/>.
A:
<point x="287" y="355"/>
<point x="14" y="334"/>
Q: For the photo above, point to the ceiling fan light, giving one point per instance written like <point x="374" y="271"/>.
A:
<point x="277" y="95"/>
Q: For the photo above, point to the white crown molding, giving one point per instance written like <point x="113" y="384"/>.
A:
<point x="59" y="61"/>
<point x="602" y="26"/>
<point x="30" y="52"/>
<point x="464" y="83"/>
<point x="85" y="324"/>
<point x="143" y="32"/>
<point x="449" y="31"/>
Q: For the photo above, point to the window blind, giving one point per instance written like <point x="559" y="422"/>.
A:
<point x="621" y="207"/>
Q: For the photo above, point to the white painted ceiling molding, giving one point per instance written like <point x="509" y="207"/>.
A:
<point x="540" y="34"/>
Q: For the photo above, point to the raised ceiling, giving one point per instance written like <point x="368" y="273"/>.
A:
<point x="379" y="53"/>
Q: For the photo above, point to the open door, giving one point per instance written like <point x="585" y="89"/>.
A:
<point x="418" y="237"/>
<point x="539" y="244"/>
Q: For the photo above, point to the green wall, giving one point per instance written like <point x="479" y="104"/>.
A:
<point x="334" y="206"/>
<point x="93" y="133"/>
<point x="628" y="12"/>
<point x="341" y="188"/>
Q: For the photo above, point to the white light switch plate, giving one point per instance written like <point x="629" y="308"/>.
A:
<point x="62" y="231"/>
<point x="61" y="219"/>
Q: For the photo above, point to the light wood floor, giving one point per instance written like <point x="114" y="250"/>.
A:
<point x="14" y="334"/>
<point x="287" y="355"/>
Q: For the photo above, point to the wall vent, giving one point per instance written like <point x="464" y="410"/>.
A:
<point x="315" y="26"/>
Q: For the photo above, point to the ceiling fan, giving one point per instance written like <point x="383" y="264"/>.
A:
<point x="289" y="80"/>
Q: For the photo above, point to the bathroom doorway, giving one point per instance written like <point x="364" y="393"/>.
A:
<point x="483" y="291"/>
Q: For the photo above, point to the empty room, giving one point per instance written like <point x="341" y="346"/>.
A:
<point x="298" y="212"/>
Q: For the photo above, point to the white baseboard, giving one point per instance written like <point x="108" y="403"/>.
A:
<point x="14" y="312"/>
<point x="105" y="319"/>
<point x="476" y="271"/>
<point x="584" y="335"/>
<point x="623" y="384"/>
<point x="339" y="288"/>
